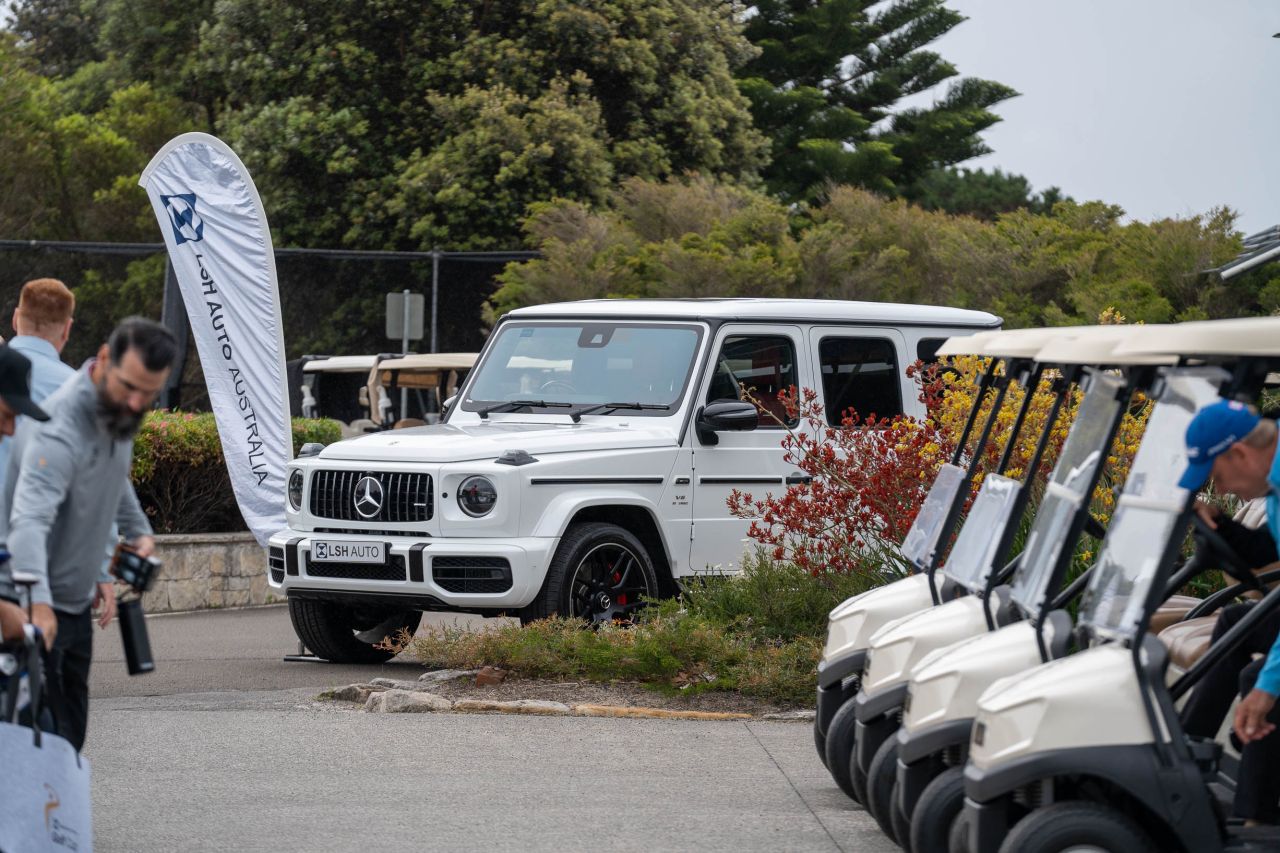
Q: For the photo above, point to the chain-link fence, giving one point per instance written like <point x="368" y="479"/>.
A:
<point x="332" y="302"/>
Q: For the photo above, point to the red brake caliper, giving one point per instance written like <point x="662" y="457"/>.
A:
<point x="622" y="599"/>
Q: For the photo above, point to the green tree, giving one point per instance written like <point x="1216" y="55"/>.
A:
<point x="976" y="192"/>
<point x="827" y="89"/>
<point x="396" y="124"/>
<point x="60" y="35"/>
<point x="158" y="41"/>
<point x="71" y="175"/>
<point x="700" y="238"/>
<point x="654" y="239"/>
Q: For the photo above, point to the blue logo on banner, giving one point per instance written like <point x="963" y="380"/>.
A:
<point x="188" y="227"/>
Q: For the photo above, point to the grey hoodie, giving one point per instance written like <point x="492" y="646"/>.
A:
<point x="68" y="481"/>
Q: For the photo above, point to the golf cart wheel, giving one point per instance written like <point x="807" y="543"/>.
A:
<point x="938" y="809"/>
<point x="1076" y="826"/>
<point x="341" y="633"/>
<point x="882" y="778"/>
<point x="841" y="736"/>
<point x="820" y="741"/>
<point x="957" y="836"/>
<point x="901" y="823"/>
<point x="859" y="779"/>
<point x="601" y="573"/>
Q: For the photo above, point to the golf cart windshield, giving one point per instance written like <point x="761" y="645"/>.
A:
<point x="922" y="538"/>
<point x="1068" y="487"/>
<point x="1148" y="508"/>
<point x="585" y="363"/>
<point x="975" y="548"/>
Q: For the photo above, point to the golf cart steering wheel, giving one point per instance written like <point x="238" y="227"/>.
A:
<point x="1210" y="542"/>
<point x="560" y="386"/>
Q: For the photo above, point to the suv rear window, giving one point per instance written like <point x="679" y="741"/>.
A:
<point x="859" y="374"/>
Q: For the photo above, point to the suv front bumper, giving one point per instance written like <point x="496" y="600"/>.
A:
<point x="428" y="572"/>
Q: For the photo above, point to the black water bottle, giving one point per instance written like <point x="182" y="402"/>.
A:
<point x="138" y="572"/>
<point x="133" y="636"/>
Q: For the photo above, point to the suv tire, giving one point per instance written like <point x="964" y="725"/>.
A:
<point x="341" y="633"/>
<point x="600" y="573"/>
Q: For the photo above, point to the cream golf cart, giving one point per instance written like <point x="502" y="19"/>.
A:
<point x="1060" y="520"/>
<point x="424" y="382"/>
<point x="1088" y="752"/>
<point x="335" y="387"/>
<point x="852" y="624"/>
<point x="944" y="687"/>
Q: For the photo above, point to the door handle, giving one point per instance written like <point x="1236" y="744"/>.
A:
<point x="797" y="478"/>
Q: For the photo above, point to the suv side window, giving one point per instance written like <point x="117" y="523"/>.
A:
<point x="927" y="349"/>
<point x="859" y="374"/>
<point x="764" y="364"/>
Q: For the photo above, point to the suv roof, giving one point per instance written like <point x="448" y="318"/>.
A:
<point x="775" y="310"/>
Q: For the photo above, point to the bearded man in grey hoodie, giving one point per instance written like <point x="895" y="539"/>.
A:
<point x="67" y="483"/>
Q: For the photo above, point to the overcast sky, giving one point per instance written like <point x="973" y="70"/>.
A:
<point x="1165" y="107"/>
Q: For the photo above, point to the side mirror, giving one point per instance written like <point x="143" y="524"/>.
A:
<point x="725" y="416"/>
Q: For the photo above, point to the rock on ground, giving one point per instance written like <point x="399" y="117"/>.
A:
<point x="394" y="701"/>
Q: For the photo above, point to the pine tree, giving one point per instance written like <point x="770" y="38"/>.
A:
<point x="828" y="87"/>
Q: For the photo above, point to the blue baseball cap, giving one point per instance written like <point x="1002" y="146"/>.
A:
<point x="1214" y="428"/>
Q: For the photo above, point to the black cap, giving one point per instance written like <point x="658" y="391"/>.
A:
<point x="15" y="383"/>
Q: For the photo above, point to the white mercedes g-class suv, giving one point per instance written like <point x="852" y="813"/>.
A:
<point x="585" y="463"/>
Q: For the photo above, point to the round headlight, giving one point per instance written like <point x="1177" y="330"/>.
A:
<point x="295" y="489"/>
<point x="477" y="496"/>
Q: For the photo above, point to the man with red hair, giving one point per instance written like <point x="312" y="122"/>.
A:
<point x="43" y="321"/>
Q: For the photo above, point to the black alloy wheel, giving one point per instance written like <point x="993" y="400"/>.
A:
<point x="601" y="573"/>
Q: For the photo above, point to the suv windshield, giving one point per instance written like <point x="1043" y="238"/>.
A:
<point x="1067" y="489"/>
<point x="1148" y="508"/>
<point x="556" y="364"/>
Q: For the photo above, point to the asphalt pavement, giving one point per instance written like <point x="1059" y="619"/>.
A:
<point x="225" y="748"/>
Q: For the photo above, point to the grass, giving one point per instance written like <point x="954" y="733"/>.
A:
<point x="758" y="633"/>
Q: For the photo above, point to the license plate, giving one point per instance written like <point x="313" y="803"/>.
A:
<point x="323" y="551"/>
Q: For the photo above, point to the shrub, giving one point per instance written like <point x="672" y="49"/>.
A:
<point x="181" y="477"/>
<point x="669" y="648"/>
<point x="772" y="599"/>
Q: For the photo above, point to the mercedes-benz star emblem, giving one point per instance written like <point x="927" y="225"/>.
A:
<point x="367" y="496"/>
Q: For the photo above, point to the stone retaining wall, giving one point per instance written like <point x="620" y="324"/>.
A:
<point x="206" y="570"/>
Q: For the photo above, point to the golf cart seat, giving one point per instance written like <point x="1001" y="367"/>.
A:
<point x="1187" y="641"/>
<point x="1176" y="607"/>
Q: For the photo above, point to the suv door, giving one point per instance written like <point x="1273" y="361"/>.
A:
<point x="765" y="360"/>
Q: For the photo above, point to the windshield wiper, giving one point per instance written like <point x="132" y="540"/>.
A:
<point x="520" y="404"/>
<point x="586" y="410"/>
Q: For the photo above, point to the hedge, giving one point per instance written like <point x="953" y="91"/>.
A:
<point x="180" y="475"/>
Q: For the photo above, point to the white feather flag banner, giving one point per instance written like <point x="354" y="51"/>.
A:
<point x="216" y="232"/>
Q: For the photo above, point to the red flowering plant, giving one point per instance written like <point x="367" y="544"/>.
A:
<point x="869" y="479"/>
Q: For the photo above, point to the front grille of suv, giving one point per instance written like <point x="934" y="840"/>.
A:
<point x="471" y="574"/>
<point x="404" y="497"/>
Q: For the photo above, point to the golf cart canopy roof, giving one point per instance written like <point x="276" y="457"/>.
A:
<point x="430" y="361"/>
<point x="342" y="364"/>
<point x="1021" y="343"/>
<point x="965" y="344"/>
<point x="1247" y="336"/>
<point x="1099" y="345"/>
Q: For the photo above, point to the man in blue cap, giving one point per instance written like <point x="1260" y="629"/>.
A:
<point x="1232" y="445"/>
